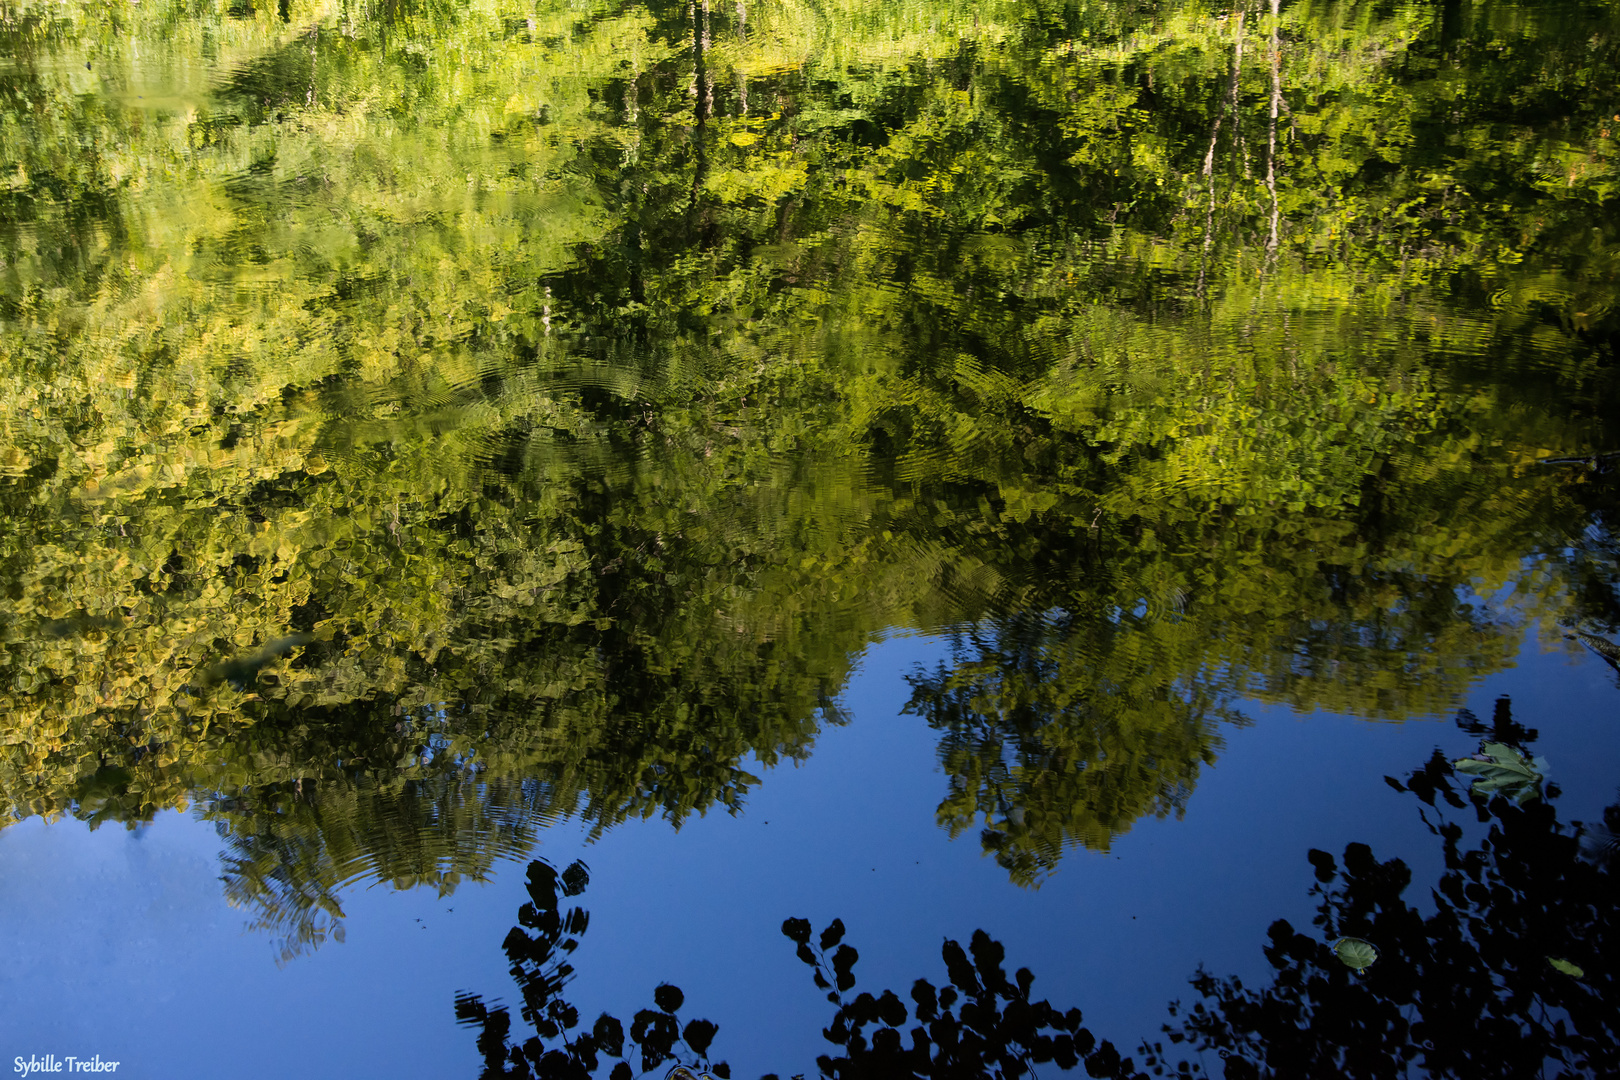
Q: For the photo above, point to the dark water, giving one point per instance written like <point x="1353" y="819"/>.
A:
<point x="1084" y="473"/>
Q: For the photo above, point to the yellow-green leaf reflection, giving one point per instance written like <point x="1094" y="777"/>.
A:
<point x="421" y="420"/>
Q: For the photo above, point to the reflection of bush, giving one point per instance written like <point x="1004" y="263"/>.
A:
<point x="1513" y="975"/>
<point x="538" y="948"/>
<point x="980" y="1024"/>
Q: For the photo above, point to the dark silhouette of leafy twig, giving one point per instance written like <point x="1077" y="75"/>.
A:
<point x="559" y="1050"/>
<point x="980" y="1024"/>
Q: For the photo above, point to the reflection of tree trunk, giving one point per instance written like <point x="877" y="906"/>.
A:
<point x="632" y="185"/>
<point x="1271" y="136"/>
<point x="708" y="83"/>
<point x="703" y="91"/>
<point x="742" y="35"/>
<point x="1214" y="134"/>
<point x="632" y="99"/>
<point x="314" y="40"/>
<point x="1232" y="103"/>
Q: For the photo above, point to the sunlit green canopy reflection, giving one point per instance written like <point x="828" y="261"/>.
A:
<point x="583" y="386"/>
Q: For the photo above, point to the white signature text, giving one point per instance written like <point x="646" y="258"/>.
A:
<point x="50" y="1063"/>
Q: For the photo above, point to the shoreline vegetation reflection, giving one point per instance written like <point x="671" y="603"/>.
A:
<point x="420" y="421"/>
<point x="1511" y="975"/>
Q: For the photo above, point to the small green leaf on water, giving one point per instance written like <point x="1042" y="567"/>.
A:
<point x="1566" y="967"/>
<point x="1500" y="769"/>
<point x="1356" y="953"/>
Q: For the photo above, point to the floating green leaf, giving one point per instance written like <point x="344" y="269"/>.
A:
<point x="1501" y="770"/>
<point x="1356" y="953"/>
<point x="1566" y="967"/>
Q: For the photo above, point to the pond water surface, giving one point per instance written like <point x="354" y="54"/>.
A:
<point x="506" y="509"/>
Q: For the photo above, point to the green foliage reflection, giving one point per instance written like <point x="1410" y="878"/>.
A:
<point x="589" y="384"/>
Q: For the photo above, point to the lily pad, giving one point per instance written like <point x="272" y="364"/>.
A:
<point x="1356" y="953"/>
<point x="1566" y="967"/>
<point x="1501" y="770"/>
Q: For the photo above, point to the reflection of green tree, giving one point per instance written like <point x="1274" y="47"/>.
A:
<point x="1056" y="734"/>
<point x="605" y="406"/>
<point x="1066" y="727"/>
<point x="291" y="850"/>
